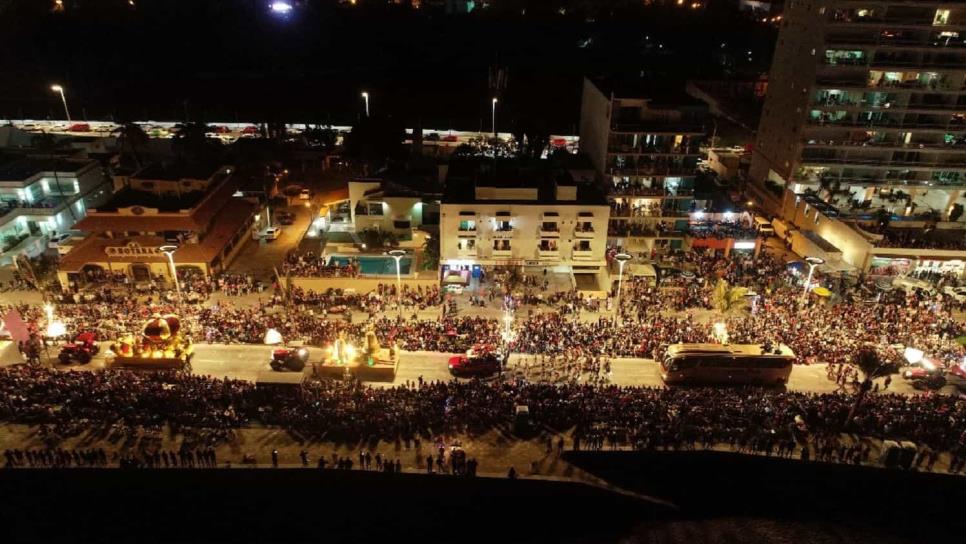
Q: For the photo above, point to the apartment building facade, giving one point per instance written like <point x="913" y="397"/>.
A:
<point x="866" y="110"/>
<point x="40" y="196"/>
<point x="496" y="214"/>
<point x="645" y="146"/>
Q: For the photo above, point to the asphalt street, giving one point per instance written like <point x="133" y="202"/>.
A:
<point x="245" y="362"/>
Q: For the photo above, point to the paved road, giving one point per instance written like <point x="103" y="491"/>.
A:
<point x="245" y="362"/>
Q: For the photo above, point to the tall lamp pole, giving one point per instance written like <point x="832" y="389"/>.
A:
<point x="493" y="121"/>
<point x="812" y="263"/>
<point x="169" y="252"/>
<point x="60" y="89"/>
<point x="398" y="254"/>
<point x="365" y="96"/>
<point x="621" y="259"/>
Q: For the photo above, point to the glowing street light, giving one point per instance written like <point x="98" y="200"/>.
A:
<point x="398" y="254"/>
<point x="812" y="263"/>
<point x="365" y="96"/>
<point x="169" y="252"/>
<point x="621" y="259"/>
<point x="494" y="117"/>
<point x="60" y="89"/>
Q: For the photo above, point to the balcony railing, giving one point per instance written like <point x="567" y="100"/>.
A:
<point x="503" y="234"/>
<point x="885" y="146"/>
<point x="584" y="232"/>
<point x="583" y="254"/>
<point x="886" y="124"/>
<point x="550" y="231"/>
<point x="884" y="163"/>
<point x="502" y="253"/>
<point x="548" y="253"/>
<point x="466" y="252"/>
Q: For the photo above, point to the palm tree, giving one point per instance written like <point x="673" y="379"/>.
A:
<point x="191" y="141"/>
<point x="48" y="144"/>
<point x="430" y="256"/>
<point x="726" y="298"/>
<point x="131" y="138"/>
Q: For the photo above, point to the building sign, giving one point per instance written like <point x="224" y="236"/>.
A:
<point x="744" y="244"/>
<point x="132" y="249"/>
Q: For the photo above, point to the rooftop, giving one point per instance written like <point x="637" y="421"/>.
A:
<point x="465" y="175"/>
<point x="658" y="93"/>
<point x="174" y="171"/>
<point x="127" y="197"/>
<point x="229" y="219"/>
<point x="19" y="168"/>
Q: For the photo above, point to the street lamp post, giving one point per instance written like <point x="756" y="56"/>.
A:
<point x="493" y="121"/>
<point x="812" y="263"/>
<point x="169" y="252"/>
<point x="365" y="96"/>
<point x="621" y="259"/>
<point x="398" y="254"/>
<point x="60" y="89"/>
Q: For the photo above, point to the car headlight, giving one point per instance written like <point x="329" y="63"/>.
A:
<point x="908" y="374"/>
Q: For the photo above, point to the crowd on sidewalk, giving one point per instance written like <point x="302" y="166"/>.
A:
<point x="748" y="419"/>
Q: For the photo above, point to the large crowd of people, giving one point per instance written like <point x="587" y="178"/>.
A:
<point x="563" y="374"/>
<point x="638" y="417"/>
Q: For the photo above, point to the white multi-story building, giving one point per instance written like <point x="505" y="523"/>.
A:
<point x="505" y="213"/>
<point x="40" y="196"/>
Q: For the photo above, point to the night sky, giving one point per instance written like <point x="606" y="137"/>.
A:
<point x="226" y="60"/>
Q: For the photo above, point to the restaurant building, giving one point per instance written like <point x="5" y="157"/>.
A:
<point x="192" y="208"/>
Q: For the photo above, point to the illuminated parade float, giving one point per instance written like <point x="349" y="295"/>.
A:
<point x="160" y="345"/>
<point x="371" y="363"/>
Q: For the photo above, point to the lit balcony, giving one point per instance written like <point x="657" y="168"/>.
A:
<point x="548" y="253"/>
<point x="466" y="232"/>
<point x="502" y="253"/>
<point x="503" y="233"/>
<point x="584" y="231"/>
<point x="549" y="231"/>
<point x="583" y="254"/>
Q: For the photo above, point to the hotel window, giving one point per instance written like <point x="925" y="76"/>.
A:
<point x="467" y="244"/>
<point x="582" y="245"/>
<point x="501" y="245"/>
<point x="548" y="245"/>
<point x="467" y="225"/>
<point x="941" y="18"/>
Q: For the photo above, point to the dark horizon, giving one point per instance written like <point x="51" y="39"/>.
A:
<point x="158" y="62"/>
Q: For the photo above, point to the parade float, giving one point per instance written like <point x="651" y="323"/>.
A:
<point x="161" y="345"/>
<point x="371" y="362"/>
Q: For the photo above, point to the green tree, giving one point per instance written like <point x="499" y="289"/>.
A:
<point x="324" y="137"/>
<point x="131" y="140"/>
<point x="726" y="298"/>
<point x="430" y="254"/>
<point x="375" y="141"/>
<point x="191" y="142"/>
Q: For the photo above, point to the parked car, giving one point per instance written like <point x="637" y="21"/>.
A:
<point x="285" y="218"/>
<point x="79" y="127"/>
<point x="957" y="293"/>
<point x="910" y="285"/>
<point x="454" y="288"/>
<point x="272" y="233"/>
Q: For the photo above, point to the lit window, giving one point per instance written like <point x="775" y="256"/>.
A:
<point x="941" y="18"/>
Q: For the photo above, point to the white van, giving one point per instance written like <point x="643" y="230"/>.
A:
<point x="764" y="226"/>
